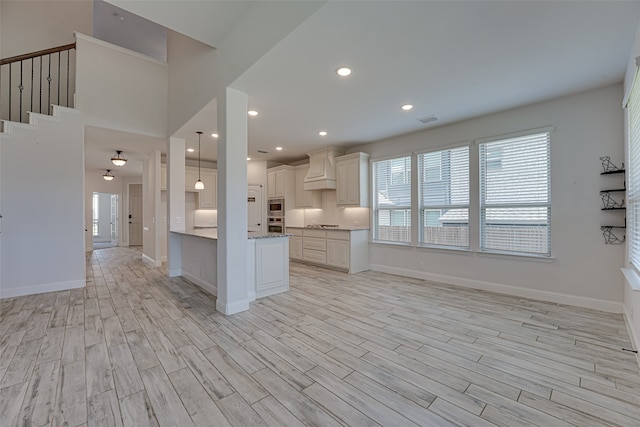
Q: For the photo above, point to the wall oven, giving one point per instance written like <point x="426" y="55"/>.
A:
<point x="275" y="207"/>
<point x="275" y="224"/>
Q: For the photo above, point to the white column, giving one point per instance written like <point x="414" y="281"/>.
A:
<point x="175" y="203"/>
<point x="232" y="202"/>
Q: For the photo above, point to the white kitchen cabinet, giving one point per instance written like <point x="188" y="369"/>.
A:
<point x="343" y="249"/>
<point x="295" y="243"/>
<point x="305" y="198"/>
<point x="163" y="177"/>
<point x="276" y="184"/>
<point x="271" y="266"/>
<point x="207" y="198"/>
<point x="352" y="180"/>
<point x="190" y="178"/>
<point x="338" y="253"/>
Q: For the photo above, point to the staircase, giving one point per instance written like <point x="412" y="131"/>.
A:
<point x="33" y="82"/>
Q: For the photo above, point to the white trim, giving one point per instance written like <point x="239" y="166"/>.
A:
<point x="449" y="146"/>
<point x="515" y="255"/>
<point x="209" y="287"/>
<point x="546" y="129"/>
<point x="632" y="333"/>
<point x="625" y="100"/>
<point x="228" y="309"/>
<point x="148" y="260"/>
<point x="554" y="297"/>
<point x="251" y="296"/>
<point x="41" y="289"/>
<point x="632" y="279"/>
<point x="390" y="157"/>
<point x="80" y="36"/>
<point x="175" y="273"/>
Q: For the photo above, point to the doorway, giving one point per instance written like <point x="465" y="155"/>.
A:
<point x="135" y="214"/>
<point x="105" y="220"/>
<point x="254" y="208"/>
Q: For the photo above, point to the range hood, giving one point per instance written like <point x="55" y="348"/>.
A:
<point x="322" y="169"/>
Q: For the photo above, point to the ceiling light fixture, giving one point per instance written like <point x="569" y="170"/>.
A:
<point x="199" y="184"/>
<point x="322" y="133"/>
<point x="118" y="159"/>
<point x="252" y="113"/>
<point x="108" y="176"/>
<point x="248" y="158"/>
<point x="215" y="135"/>
<point x="407" y="107"/>
<point x="191" y="150"/>
<point x="343" y="71"/>
<point x="279" y="148"/>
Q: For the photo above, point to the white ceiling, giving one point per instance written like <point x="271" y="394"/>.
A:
<point x="454" y="60"/>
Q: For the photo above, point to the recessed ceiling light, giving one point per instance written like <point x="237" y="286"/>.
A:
<point x="191" y="150"/>
<point x="252" y="112"/>
<point x="343" y="71"/>
<point x="322" y="133"/>
<point x="215" y="135"/>
<point x="279" y="148"/>
<point x="248" y="158"/>
<point x="407" y="107"/>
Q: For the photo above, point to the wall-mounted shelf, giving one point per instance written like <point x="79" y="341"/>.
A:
<point x="613" y="201"/>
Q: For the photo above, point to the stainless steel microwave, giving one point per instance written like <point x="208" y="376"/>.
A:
<point x="276" y="207"/>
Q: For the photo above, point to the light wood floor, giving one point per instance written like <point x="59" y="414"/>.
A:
<point x="136" y="348"/>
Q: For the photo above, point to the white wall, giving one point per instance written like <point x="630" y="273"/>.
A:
<point x="584" y="271"/>
<point x="42" y="190"/>
<point x="120" y="89"/>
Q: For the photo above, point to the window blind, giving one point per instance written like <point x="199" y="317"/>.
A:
<point x="515" y="201"/>
<point x="392" y="200"/>
<point x="443" y="189"/>
<point x="633" y="176"/>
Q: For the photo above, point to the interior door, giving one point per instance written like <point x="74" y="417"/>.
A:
<point x="135" y="214"/>
<point x="254" y="208"/>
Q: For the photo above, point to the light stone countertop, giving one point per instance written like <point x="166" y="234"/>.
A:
<point x="212" y="233"/>
<point x="341" y="228"/>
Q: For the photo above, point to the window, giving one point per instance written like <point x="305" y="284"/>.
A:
<point x="392" y="200"/>
<point x="96" y="228"/>
<point x="515" y="202"/>
<point x="443" y="188"/>
<point x="633" y="176"/>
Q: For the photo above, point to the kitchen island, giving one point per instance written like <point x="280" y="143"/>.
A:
<point x="267" y="261"/>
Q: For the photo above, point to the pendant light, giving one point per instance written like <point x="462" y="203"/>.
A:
<point x="118" y="159"/>
<point x="199" y="183"/>
<point x="108" y="176"/>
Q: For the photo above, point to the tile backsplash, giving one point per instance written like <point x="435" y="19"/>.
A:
<point x="334" y="214"/>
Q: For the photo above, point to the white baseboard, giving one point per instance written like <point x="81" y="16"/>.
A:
<point x="175" y="272"/>
<point x="41" y="289"/>
<point x="635" y="338"/>
<point x="228" y="309"/>
<point x="209" y="287"/>
<point x="152" y="262"/>
<point x="251" y="296"/>
<point x="555" y="297"/>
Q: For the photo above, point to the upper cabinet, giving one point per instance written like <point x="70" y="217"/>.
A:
<point x="281" y="182"/>
<point x="306" y="198"/>
<point x="352" y="180"/>
<point x="208" y="198"/>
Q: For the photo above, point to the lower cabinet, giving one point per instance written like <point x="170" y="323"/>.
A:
<point x="271" y="266"/>
<point x="343" y="249"/>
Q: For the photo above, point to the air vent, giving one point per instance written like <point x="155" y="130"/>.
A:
<point x="428" y="119"/>
<point x="263" y="152"/>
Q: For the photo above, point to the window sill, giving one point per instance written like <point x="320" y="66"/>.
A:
<point x="523" y="257"/>
<point x="397" y="244"/>
<point x="445" y="249"/>
<point x="632" y="279"/>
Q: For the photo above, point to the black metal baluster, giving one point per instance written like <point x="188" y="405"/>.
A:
<point x="68" y="54"/>
<point x="20" y="87"/>
<point x="31" y="96"/>
<point x="10" y="66"/>
<point x="58" y="78"/>
<point x="49" y="88"/>
<point x="40" y="80"/>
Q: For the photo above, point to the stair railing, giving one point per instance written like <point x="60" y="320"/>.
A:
<point x="27" y="81"/>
